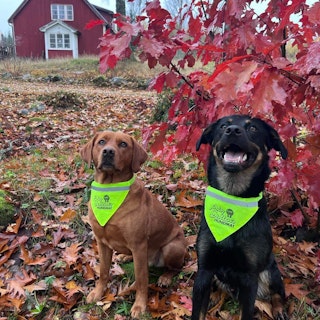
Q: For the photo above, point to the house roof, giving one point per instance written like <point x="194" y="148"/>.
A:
<point x="57" y="22"/>
<point x="93" y="8"/>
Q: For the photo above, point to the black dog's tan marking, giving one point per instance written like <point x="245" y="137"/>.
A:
<point x="243" y="263"/>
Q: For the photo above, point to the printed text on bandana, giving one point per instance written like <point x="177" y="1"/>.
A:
<point x="226" y="214"/>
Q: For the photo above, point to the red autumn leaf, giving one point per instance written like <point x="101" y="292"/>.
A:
<point x="158" y="82"/>
<point x="151" y="46"/>
<point x="187" y="302"/>
<point x="296" y="218"/>
<point x="310" y="61"/>
<point x="93" y="23"/>
<point x="267" y="90"/>
<point x="314" y="13"/>
<point x="171" y="80"/>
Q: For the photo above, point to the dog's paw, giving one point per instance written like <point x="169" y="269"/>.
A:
<point x="165" y="279"/>
<point x="95" y="295"/>
<point x="124" y="258"/>
<point x="281" y="316"/>
<point x="137" y="310"/>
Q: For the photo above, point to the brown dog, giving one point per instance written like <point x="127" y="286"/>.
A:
<point x="141" y="226"/>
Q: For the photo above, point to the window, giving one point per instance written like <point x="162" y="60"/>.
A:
<point x="62" y="12"/>
<point x="59" y="41"/>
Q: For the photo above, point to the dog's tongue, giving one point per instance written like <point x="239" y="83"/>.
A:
<point x="235" y="157"/>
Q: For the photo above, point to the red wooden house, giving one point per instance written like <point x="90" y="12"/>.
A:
<point x="56" y="28"/>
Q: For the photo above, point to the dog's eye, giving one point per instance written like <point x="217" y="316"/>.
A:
<point x="101" y="142"/>
<point x="223" y="126"/>
<point x="253" y="129"/>
<point x="123" y="144"/>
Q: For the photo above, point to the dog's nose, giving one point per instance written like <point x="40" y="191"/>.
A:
<point x="234" y="130"/>
<point x="108" y="152"/>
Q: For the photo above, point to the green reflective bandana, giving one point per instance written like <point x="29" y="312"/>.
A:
<point x="226" y="214"/>
<point x="107" y="198"/>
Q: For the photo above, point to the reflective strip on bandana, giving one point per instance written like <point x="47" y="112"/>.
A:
<point x="225" y="214"/>
<point x="101" y="189"/>
<point x="106" y="199"/>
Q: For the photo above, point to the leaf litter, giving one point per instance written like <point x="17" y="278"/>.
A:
<point x="48" y="256"/>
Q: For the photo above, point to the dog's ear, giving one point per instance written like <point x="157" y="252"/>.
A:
<point x="207" y="136"/>
<point x="86" y="151"/>
<point x="276" y="143"/>
<point x="139" y="156"/>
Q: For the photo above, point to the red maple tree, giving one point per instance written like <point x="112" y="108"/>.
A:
<point x="224" y="58"/>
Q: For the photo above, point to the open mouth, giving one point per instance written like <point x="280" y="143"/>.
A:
<point x="235" y="158"/>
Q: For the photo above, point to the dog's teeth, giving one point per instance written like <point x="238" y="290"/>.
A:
<point x="245" y="157"/>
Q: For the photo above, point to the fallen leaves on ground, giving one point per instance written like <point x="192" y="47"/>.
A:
<point x="48" y="256"/>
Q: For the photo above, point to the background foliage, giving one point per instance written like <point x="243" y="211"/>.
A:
<point x="242" y="66"/>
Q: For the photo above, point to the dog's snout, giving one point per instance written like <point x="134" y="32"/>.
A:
<point x="234" y="130"/>
<point x="108" y="152"/>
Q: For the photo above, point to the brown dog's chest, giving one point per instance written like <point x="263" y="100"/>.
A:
<point x="114" y="233"/>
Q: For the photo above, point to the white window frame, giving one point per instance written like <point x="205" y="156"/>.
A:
<point x="62" y="12"/>
<point x="59" y="41"/>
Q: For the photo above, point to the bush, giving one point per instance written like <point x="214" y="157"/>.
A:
<point x="7" y="211"/>
<point x="100" y="81"/>
<point x="160" y="112"/>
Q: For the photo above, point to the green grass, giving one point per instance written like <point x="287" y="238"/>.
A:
<point x="86" y="67"/>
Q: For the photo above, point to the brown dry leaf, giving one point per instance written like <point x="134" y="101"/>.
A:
<point x="26" y="256"/>
<point x="116" y="269"/>
<point x="70" y="254"/>
<point x="15" y="226"/>
<point x="37" y="197"/>
<point x="296" y="290"/>
<point x="106" y="301"/>
<point x="16" y="285"/>
<point x="61" y="297"/>
<point x="40" y="286"/>
<point x="191" y="240"/>
<point x="308" y="247"/>
<point x="73" y="288"/>
<point x="126" y="289"/>
<point x="89" y="272"/>
<point x="179" y="311"/>
<point x="68" y="215"/>
<point x="265" y="307"/>
<point x="186" y="201"/>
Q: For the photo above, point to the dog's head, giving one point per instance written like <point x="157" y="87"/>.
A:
<point x="240" y="144"/>
<point x="114" y="152"/>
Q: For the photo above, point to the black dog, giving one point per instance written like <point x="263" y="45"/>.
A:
<point x="238" y="258"/>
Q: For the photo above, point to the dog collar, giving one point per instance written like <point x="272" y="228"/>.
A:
<point x="106" y="199"/>
<point x="225" y="214"/>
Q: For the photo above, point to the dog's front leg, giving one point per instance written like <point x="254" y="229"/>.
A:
<point x="247" y="297"/>
<point x="105" y="255"/>
<point x="140" y="260"/>
<point x="201" y="294"/>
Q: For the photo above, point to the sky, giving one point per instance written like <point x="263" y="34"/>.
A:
<point x="8" y="7"/>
